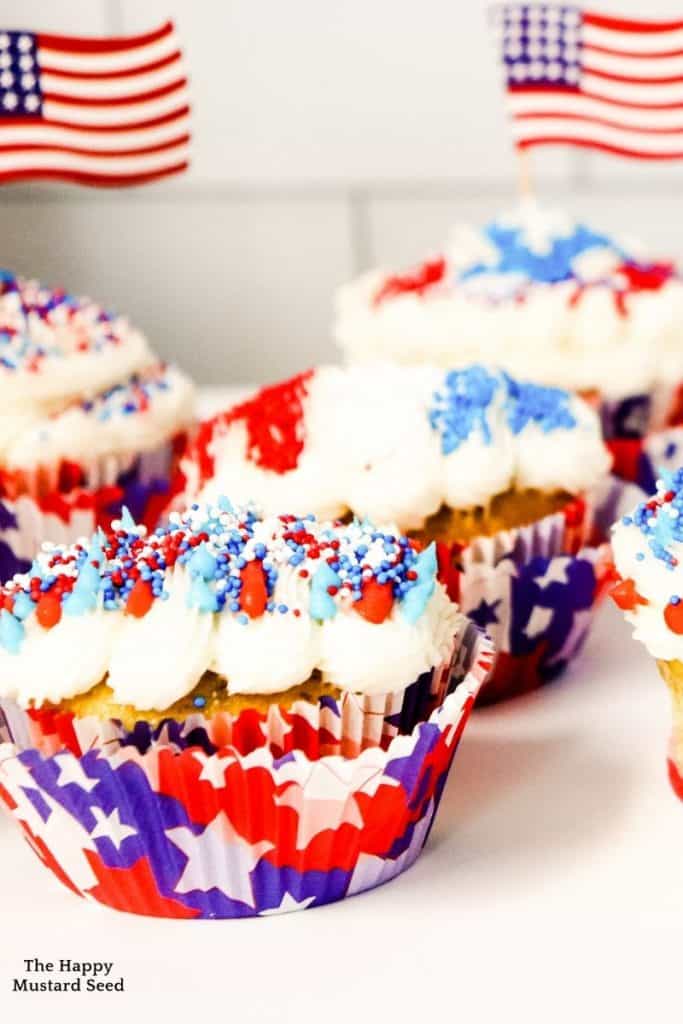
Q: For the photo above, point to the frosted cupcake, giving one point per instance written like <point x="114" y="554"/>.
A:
<point x="90" y="420"/>
<point x="543" y="296"/>
<point x="499" y="472"/>
<point x="232" y="715"/>
<point x="648" y="553"/>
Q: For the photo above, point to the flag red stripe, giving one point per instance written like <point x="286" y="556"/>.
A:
<point x="595" y="96"/>
<point x="592" y="119"/>
<point x="141" y="69"/>
<point x="114" y="44"/>
<point x="116" y="101"/>
<point x="629" y="25"/>
<point x="83" y="178"/>
<point x="610" y="52"/>
<point x="44" y="147"/>
<point x="632" y="79"/>
<point x="561" y="140"/>
<point x="152" y="122"/>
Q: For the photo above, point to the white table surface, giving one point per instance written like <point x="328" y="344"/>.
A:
<point x="551" y="889"/>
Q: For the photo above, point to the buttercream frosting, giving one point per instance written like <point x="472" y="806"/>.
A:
<point x="535" y="292"/>
<point x="396" y="443"/>
<point x="648" y="554"/>
<point x="263" y="602"/>
<point x="78" y="383"/>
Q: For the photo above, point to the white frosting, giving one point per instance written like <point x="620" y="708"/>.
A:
<point x="67" y="367"/>
<point x="152" y="661"/>
<point x="32" y="437"/>
<point x="369" y="447"/>
<point x="655" y="582"/>
<point x="530" y="328"/>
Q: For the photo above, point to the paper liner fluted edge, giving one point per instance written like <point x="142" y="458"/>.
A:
<point x="186" y="834"/>
<point x="535" y="589"/>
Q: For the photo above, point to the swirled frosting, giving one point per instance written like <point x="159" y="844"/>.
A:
<point x="395" y="443"/>
<point x="533" y="291"/>
<point x="78" y="383"/>
<point x="263" y="602"/>
<point x="648" y="554"/>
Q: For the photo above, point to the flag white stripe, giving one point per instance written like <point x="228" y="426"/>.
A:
<point x="40" y="134"/>
<point x="113" y="166"/>
<point x="634" y="67"/>
<point x="100" y="62"/>
<point x="573" y="103"/>
<point x="633" y="42"/>
<point x="119" y="115"/>
<point x="538" y="128"/>
<point x="624" y="92"/>
<point x="113" y="88"/>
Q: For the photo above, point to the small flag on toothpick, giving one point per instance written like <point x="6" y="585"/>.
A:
<point x="93" y="111"/>
<point x="582" y="79"/>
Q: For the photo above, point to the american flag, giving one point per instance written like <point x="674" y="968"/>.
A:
<point x="583" y="79"/>
<point x="94" y="111"/>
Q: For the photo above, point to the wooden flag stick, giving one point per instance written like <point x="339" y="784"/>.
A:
<point x="524" y="180"/>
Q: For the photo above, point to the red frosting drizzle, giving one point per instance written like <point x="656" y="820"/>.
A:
<point x="430" y="273"/>
<point x="637" y="277"/>
<point x="274" y="419"/>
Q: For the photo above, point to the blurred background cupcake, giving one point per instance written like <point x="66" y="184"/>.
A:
<point x="544" y="296"/>
<point x="90" y="420"/>
<point x="648" y="554"/>
<point x="501" y="474"/>
<point x="230" y="681"/>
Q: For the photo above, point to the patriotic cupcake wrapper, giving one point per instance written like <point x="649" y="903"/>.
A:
<point x="343" y="726"/>
<point x="636" y="426"/>
<point x="188" y="834"/>
<point x="534" y="590"/>
<point x="43" y="509"/>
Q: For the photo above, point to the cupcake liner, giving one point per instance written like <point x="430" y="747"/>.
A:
<point x="534" y="590"/>
<point x="631" y="424"/>
<point x="343" y="727"/>
<point x="187" y="834"/>
<point x="35" y="507"/>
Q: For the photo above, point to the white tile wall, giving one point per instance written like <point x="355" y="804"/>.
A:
<point x="327" y="137"/>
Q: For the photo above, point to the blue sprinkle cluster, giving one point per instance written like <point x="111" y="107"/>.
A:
<point x="528" y="403"/>
<point x="462" y="405"/>
<point x="660" y="519"/>
<point x="515" y="256"/>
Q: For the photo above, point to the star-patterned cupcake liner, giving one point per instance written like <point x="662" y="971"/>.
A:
<point x="63" y="509"/>
<point x="187" y="834"/>
<point x="535" y="590"/>
<point x="638" y="428"/>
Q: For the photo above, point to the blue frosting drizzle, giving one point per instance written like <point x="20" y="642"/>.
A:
<point x="416" y="599"/>
<point x="11" y="632"/>
<point x="322" y="604"/>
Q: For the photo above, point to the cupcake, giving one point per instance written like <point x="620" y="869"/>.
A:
<point x="500" y="473"/>
<point x="648" y="554"/>
<point x="543" y="296"/>
<point x="233" y="715"/>
<point x="90" y="420"/>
